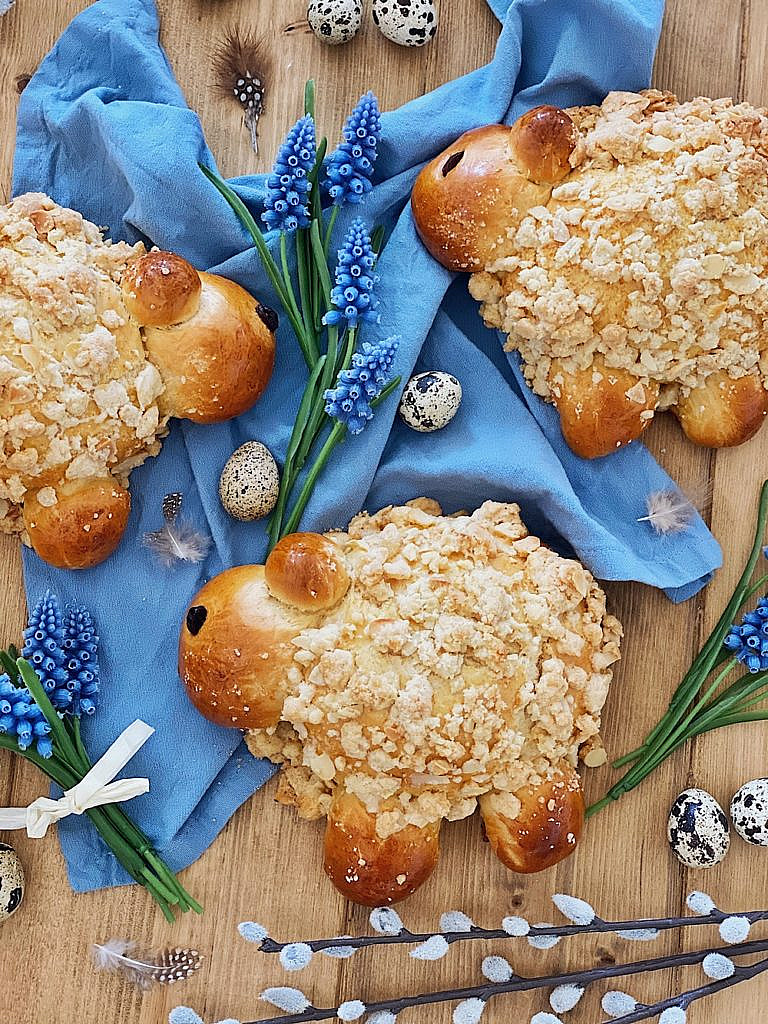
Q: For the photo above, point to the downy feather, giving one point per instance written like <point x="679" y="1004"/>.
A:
<point x="145" y="969"/>
<point x="671" y="511"/>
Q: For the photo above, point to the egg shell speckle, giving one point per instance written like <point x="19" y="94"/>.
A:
<point x="406" y="22"/>
<point x="250" y="482"/>
<point x="430" y="400"/>
<point x="335" y="21"/>
<point x="11" y="881"/>
<point x="749" y="812"/>
<point x="697" y="829"/>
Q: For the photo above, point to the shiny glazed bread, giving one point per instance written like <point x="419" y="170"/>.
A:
<point x="100" y="344"/>
<point x="405" y="671"/>
<point x="623" y="249"/>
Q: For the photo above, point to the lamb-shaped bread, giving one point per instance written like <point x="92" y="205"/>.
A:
<point x="404" y="671"/>
<point x="100" y="344"/>
<point x="624" y="251"/>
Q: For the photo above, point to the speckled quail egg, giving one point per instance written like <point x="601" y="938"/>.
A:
<point x="406" y="22"/>
<point x="335" y="21"/>
<point x="749" y="812"/>
<point x="697" y="829"/>
<point x="11" y="881"/>
<point x="249" y="482"/>
<point x="430" y="400"/>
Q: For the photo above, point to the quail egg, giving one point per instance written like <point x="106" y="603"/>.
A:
<point x="11" y="881"/>
<point x="250" y="482"/>
<point x="406" y="22"/>
<point x="335" y="21"/>
<point x="697" y="829"/>
<point x="749" y="812"/>
<point x="430" y="400"/>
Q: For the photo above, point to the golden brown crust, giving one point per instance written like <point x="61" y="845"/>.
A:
<point x="601" y="409"/>
<point x="216" y="363"/>
<point x="160" y="289"/>
<point x="464" y="658"/>
<point x="648" y="258"/>
<point x="543" y="141"/>
<point x="537" y="827"/>
<point x="723" y="412"/>
<point x="79" y="399"/>
<point x="235" y="649"/>
<point x="307" y="571"/>
<point x="83" y="527"/>
<point x="373" y="871"/>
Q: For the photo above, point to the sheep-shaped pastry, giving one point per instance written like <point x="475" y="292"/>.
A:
<point x="624" y="251"/>
<point x="404" y="671"/>
<point x="100" y="344"/>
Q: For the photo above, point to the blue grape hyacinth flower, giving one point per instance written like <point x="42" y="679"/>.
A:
<point x="22" y="719"/>
<point x="749" y="640"/>
<point x="356" y="388"/>
<point x="288" y="185"/>
<point x="350" y="167"/>
<point x="353" y="298"/>
<point x="44" y="650"/>
<point x="81" y="647"/>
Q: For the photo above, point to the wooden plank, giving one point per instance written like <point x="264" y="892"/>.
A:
<point x="266" y="864"/>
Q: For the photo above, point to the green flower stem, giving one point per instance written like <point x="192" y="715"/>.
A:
<point x="335" y="437"/>
<point x="329" y="230"/>
<point x="687" y="716"/>
<point x="321" y="262"/>
<point x="59" y="734"/>
<point x="306" y="341"/>
<point x="305" y="290"/>
<point x="266" y="256"/>
<point x="288" y="476"/>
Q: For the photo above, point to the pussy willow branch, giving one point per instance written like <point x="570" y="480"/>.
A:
<point x="597" y="927"/>
<point x="579" y="978"/>
<point x="685" y="999"/>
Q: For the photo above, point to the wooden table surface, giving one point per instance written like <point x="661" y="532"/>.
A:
<point x="266" y="864"/>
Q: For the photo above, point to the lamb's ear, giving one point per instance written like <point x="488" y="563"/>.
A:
<point x="467" y="200"/>
<point x="724" y="411"/>
<point x="307" y="570"/>
<point x="373" y="871"/>
<point x="536" y="827"/>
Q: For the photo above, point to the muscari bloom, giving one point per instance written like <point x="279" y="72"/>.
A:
<point x="749" y="640"/>
<point x="288" y="185"/>
<point x="353" y="298"/>
<point x="81" y="647"/>
<point x="22" y="719"/>
<point x="350" y="401"/>
<point x="44" y="650"/>
<point x="350" y="167"/>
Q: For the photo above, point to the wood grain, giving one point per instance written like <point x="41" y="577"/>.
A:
<point x="266" y="865"/>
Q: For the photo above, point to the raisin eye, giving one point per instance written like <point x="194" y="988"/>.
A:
<point x="196" y="617"/>
<point x="453" y="161"/>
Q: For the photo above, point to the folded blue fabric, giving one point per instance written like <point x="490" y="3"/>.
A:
<point x="103" y="127"/>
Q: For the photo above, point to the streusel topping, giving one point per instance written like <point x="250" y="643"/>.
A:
<point x="651" y="255"/>
<point x="78" y="397"/>
<point x="466" y="657"/>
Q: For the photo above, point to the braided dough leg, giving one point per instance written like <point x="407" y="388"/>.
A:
<point x="723" y="412"/>
<point x="535" y="828"/>
<point x="370" y="870"/>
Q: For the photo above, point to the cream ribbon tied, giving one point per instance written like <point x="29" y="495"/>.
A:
<point x="94" y="790"/>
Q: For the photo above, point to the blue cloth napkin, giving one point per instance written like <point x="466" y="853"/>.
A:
<point x="103" y="127"/>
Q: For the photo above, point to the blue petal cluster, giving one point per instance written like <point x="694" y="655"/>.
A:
<point x="353" y="297"/>
<point x="22" y="719"/>
<point x="350" y="401"/>
<point x="749" y="641"/>
<point x="350" y="167"/>
<point x="288" y="185"/>
<point x="81" y="647"/>
<point x="44" y="650"/>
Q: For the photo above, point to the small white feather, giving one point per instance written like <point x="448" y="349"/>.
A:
<point x="668" y="511"/>
<point x="177" y="542"/>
